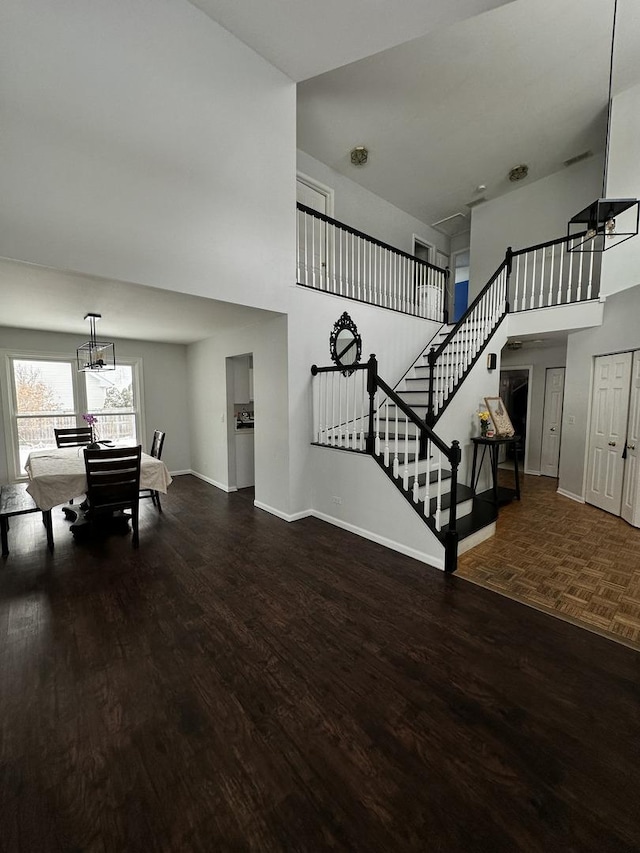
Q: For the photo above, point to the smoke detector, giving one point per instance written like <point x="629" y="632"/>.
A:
<point x="518" y="173"/>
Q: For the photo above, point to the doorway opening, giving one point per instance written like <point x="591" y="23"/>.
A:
<point x="460" y="283"/>
<point x="240" y="422"/>
<point x="514" y="390"/>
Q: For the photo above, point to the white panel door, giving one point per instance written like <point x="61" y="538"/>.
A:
<point x="552" y="421"/>
<point x="631" y="486"/>
<point x="312" y="237"/>
<point x="609" y="413"/>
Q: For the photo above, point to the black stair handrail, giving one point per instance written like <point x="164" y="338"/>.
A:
<point x="507" y="262"/>
<point x="437" y="351"/>
<point x="354" y="231"/>
<point x="453" y="454"/>
<point x="548" y="243"/>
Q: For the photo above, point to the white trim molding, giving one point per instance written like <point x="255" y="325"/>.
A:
<point x="223" y="486"/>
<point x="577" y="498"/>
<point x="434" y="562"/>
<point x="296" y="516"/>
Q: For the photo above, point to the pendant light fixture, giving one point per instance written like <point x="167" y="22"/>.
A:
<point x="94" y="354"/>
<point x="606" y="222"/>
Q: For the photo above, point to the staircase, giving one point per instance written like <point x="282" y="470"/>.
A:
<point x="396" y="425"/>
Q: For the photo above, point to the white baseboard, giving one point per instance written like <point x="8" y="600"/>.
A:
<point x="476" y="538"/>
<point x="435" y="562"/>
<point x="295" y="516"/>
<point x="532" y="473"/>
<point x="180" y="473"/>
<point x="565" y="494"/>
<point x="215" y="483"/>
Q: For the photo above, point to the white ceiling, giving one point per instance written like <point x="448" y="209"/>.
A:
<point x="458" y="104"/>
<point x="444" y="113"/>
<point x="305" y="38"/>
<point x="34" y="297"/>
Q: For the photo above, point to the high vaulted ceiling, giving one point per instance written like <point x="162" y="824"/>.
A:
<point x="305" y="38"/>
<point x="444" y="100"/>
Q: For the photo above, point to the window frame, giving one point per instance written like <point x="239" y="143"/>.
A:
<point x="9" y="408"/>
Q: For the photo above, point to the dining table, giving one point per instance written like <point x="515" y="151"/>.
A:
<point x="57" y="475"/>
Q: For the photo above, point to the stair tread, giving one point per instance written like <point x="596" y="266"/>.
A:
<point x="463" y="493"/>
<point x="483" y="513"/>
<point x="433" y="476"/>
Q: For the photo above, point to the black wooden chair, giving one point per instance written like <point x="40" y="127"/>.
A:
<point x="73" y="436"/>
<point x="156" y="451"/>
<point x="113" y="483"/>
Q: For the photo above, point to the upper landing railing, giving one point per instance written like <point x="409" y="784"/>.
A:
<point x="337" y="259"/>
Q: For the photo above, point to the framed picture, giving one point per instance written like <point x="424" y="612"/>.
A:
<point x="499" y="416"/>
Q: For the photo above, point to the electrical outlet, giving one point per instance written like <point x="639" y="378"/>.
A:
<point x="336" y="500"/>
<point x="571" y="419"/>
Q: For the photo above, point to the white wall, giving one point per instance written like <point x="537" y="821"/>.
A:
<point x="164" y="369"/>
<point x="371" y="506"/>
<point x="142" y="142"/>
<point x="539" y="359"/>
<point x="619" y="332"/>
<point x="531" y="214"/>
<point x="367" y="212"/>
<point x="211" y="430"/>
<point x="621" y="265"/>
<point x="396" y="340"/>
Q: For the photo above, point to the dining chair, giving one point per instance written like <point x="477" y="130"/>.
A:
<point x="113" y="483"/>
<point x="73" y="436"/>
<point x="156" y="451"/>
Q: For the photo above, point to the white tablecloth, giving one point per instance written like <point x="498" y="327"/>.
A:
<point x="56" y="476"/>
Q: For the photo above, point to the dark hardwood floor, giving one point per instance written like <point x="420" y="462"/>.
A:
<point x="244" y="684"/>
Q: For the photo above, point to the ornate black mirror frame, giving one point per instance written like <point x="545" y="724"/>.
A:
<point x="345" y="344"/>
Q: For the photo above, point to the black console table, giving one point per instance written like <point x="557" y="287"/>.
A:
<point x="493" y="445"/>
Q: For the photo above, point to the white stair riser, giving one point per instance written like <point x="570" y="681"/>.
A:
<point x="462" y="509"/>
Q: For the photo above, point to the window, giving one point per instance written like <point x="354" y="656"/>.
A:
<point x="110" y="397"/>
<point x="47" y="392"/>
<point x="43" y="400"/>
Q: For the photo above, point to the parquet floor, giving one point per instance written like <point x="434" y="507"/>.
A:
<point x="572" y="560"/>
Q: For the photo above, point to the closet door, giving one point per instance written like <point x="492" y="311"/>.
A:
<point x="631" y="487"/>
<point x="609" y="414"/>
<point x="551" y="421"/>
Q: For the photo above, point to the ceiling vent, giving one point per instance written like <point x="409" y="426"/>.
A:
<point x="578" y="158"/>
<point x="513" y="345"/>
<point x="452" y="225"/>
<point x="518" y="173"/>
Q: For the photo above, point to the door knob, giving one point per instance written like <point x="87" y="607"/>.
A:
<point x="612" y="444"/>
<point x="631" y="447"/>
<point x="552" y="429"/>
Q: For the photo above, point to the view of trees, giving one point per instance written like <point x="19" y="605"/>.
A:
<point x="32" y="392"/>
<point x="119" y="398"/>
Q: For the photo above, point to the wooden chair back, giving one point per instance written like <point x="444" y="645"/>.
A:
<point x="113" y="482"/>
<point x="73" y="436"/>
<point x="157" y="444"/>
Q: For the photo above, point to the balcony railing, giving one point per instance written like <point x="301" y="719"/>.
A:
<point x="547" y="274"/>
<point x="337" y="259"/>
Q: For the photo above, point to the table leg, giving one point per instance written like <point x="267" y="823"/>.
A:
<point x="4" y="527"/>
<point x="473" y="468"/>
<point x="493" y="455"/>
<point x="515" y="470"/>
<point x="48" y="523"/>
